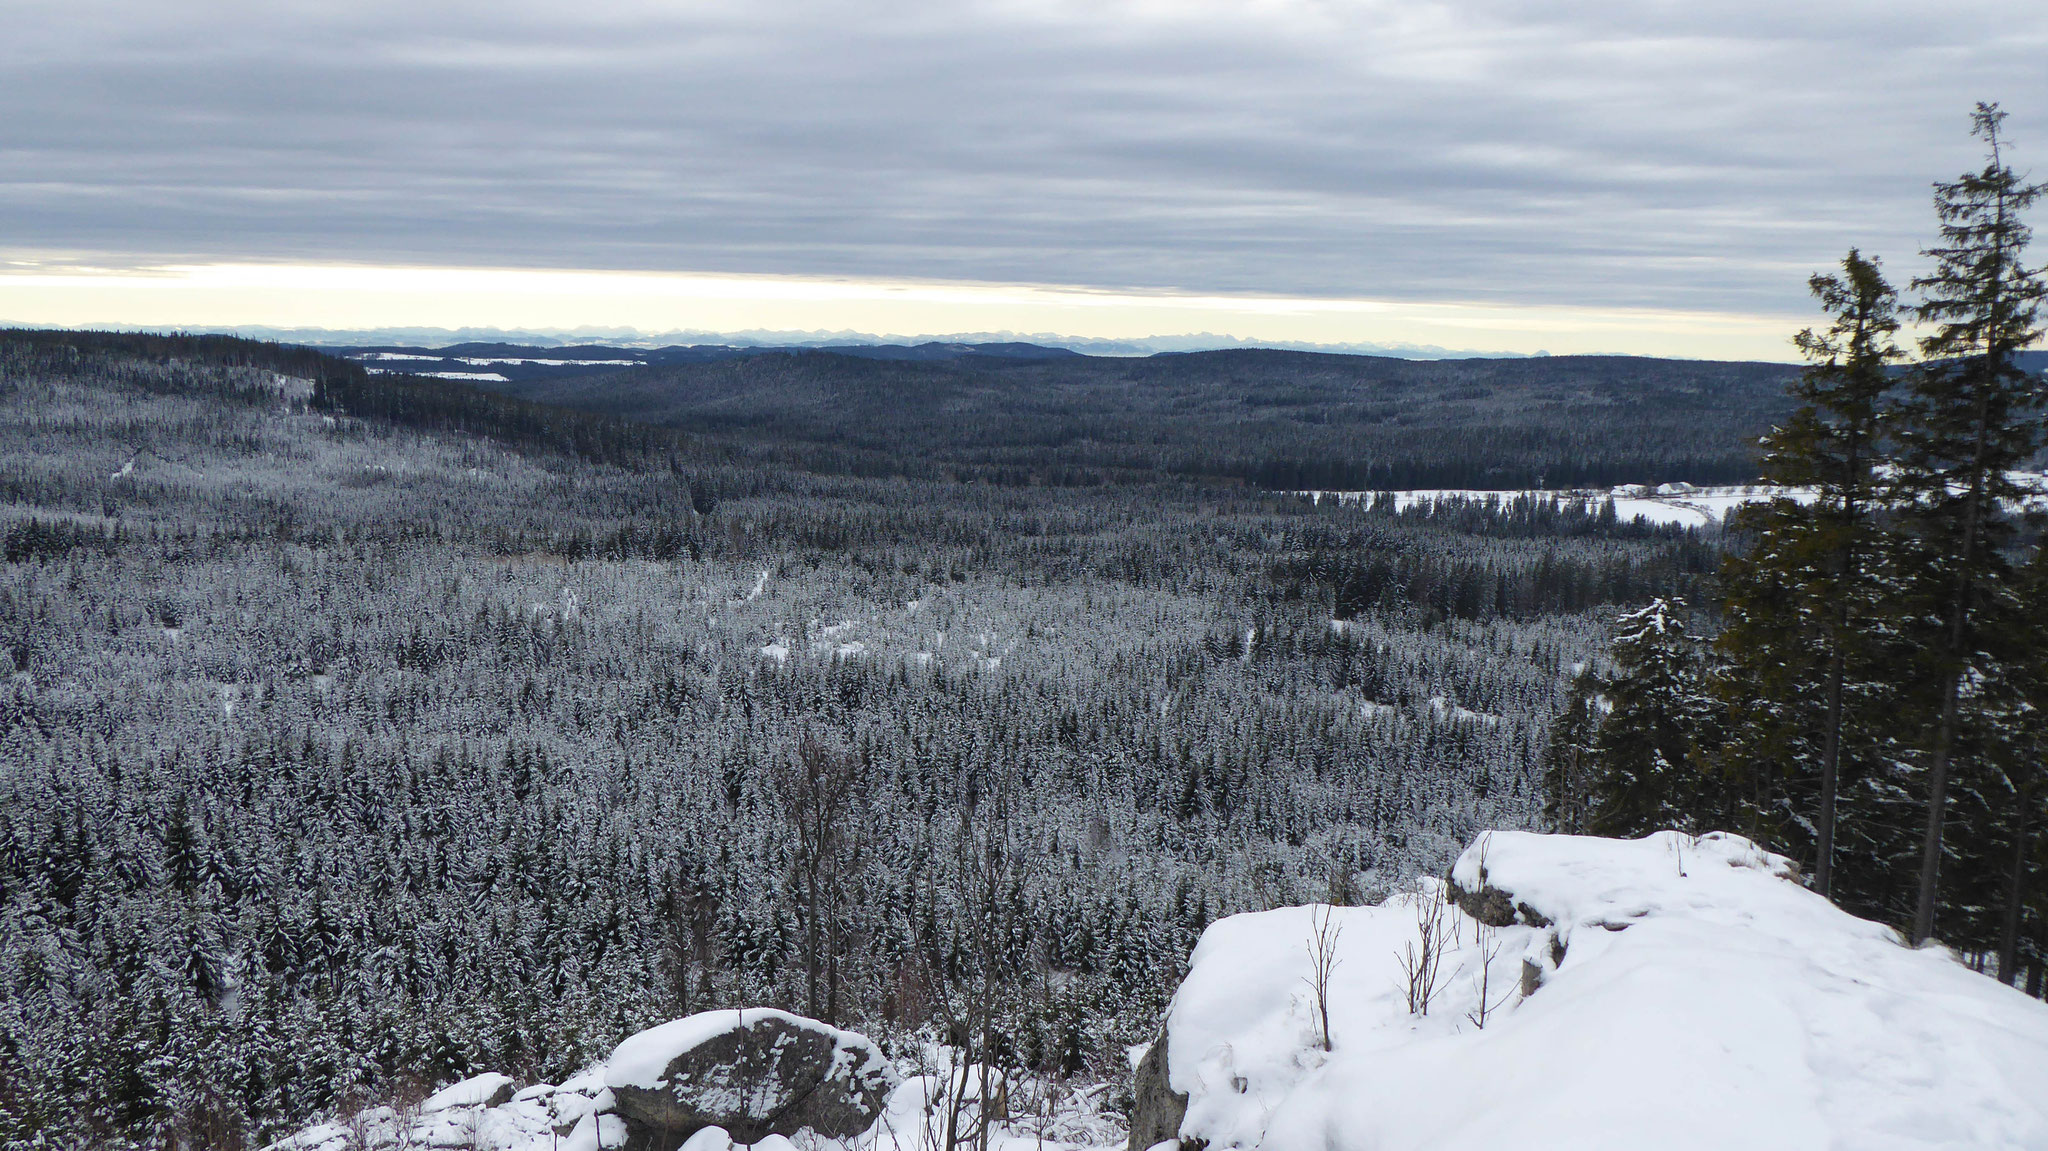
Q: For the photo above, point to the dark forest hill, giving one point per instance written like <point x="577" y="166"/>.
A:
<point x="1275" y="419"/>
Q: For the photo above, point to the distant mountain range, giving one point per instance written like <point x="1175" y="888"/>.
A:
<point x="522" y="363"/>
<point x="333" y="338"/>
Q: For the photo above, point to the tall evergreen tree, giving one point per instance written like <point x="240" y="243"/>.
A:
<point x="1974" y="417"/>
<point x="1797" y="594"/>
<point x="184" y="857"/>
<point x="1569" y="757"/>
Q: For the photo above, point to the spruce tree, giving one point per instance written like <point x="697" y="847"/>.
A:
<point x="1974" y="417"/>
<point x="1569" y="757"/>
<point x="1645" y="776"/>
<point x="184" y="857"/>
<point x="1796" y="597"/>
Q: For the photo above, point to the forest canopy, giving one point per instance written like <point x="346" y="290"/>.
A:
<point x="360" y="730"/>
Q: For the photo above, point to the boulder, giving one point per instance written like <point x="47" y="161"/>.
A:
<point x="1157" y="1110"/>
<point x="754" y="1072"/>
<point x="1492" y="906"/>
<point x="487" y="1090"/>
<point x="565" y="1105"/>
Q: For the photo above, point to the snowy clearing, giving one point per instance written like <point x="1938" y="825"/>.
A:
<point x="486" y="361"/>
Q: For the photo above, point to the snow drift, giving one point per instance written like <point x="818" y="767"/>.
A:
<point x="1680" y="993"/>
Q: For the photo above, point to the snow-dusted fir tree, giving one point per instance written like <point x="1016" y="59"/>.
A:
<point x="1647" y="775"/>
<point x="1800" y="597"/>
<point x="1974" y="418"/>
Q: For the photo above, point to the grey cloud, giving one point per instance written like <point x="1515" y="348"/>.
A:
<point x="1702" y="156"/>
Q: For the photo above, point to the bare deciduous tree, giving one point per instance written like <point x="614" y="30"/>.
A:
<point x="1322" y="959"/>
<point x="1422" y="958"/>
<point x="816" y="791"/>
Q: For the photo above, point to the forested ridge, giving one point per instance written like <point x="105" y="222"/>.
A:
<point x="367" y="730"/>
<point x="1273" y="419"/>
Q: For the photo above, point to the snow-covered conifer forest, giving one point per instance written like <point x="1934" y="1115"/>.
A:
<point x="361" y="732"/>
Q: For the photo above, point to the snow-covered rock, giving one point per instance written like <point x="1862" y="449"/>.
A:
<point x="1685" y="993"/>
<point x="1157" y="1110"/>
<point x="754" y="1072"/>
<point x="486" y="1090"/>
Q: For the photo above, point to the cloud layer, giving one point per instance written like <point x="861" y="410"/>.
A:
<point x="1597" y="154"/>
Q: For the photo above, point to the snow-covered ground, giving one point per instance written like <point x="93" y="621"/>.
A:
<point x="1689" y="993"/>
<point x="487" y="361"/>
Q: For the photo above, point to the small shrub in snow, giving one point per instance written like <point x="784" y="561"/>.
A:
<point x="1422" y="958"/>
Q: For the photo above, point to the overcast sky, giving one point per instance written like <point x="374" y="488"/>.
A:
<point x="1504" y="157"/>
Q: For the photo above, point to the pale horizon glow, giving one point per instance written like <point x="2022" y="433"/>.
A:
<point x="1481" y="175"/>
<point x="348" y="297"/>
